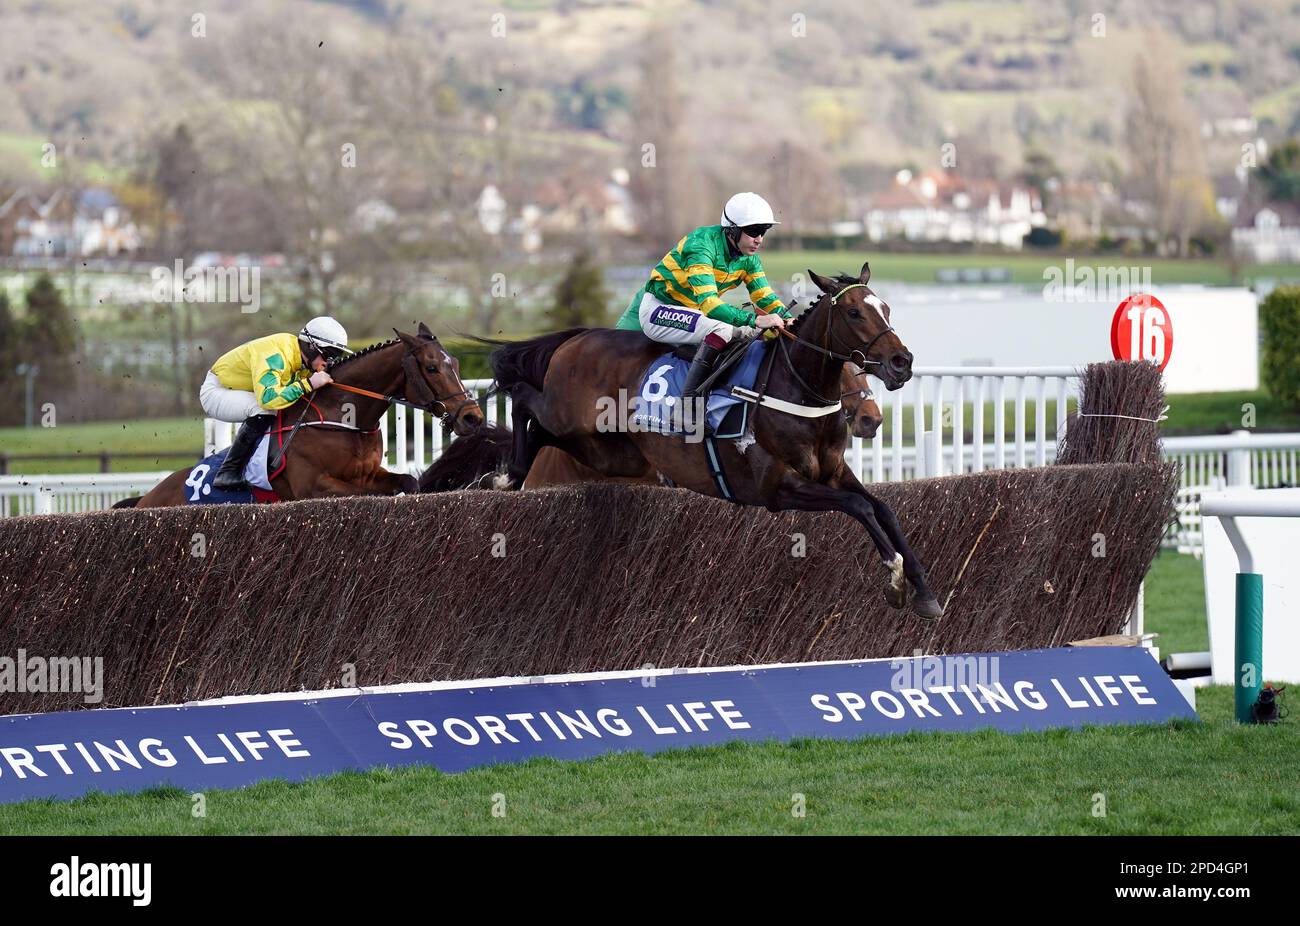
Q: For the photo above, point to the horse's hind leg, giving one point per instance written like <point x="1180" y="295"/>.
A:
<point x="528" y="435"/>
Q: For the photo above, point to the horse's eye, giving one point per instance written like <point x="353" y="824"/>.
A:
<point x="854" y="313"/>
<point x="431" y="369"/>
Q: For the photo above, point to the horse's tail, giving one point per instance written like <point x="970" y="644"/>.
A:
<point x="526" y="361"/>
<point x="468" y="459"/>
<point x="128" y="502"/>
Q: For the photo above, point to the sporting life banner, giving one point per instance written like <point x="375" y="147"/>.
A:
<point x="231" y="744"/>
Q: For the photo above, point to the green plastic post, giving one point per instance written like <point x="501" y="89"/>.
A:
<point x="1250" y="642"/>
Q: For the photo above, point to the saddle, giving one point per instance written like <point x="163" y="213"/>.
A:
<point x="729" y="357"/>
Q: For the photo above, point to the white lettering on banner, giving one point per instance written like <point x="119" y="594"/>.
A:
<point x="76" y="878"/>
<point x="661" y="720"/>
<point x="984" y="699"/>
<point x="117" y="755"/>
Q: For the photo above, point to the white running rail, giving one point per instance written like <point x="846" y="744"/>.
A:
<point x="998" y="402"/>
<point x="20" y="495"/>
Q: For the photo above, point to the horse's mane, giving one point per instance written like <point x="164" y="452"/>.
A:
<point x="843" y="279"/>
<point x="365" y="351"/>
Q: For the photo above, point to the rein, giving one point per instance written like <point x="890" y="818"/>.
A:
<point x="412" y="374"/>
<point x="843" y="358"/>
<point x="862" y="352"/>
<point x="394" y="400"/>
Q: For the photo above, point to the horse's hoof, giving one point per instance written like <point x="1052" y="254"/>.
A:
<point x="515" y="479"/>
<point x="897" y="597"/>
<point x="928" y="608"/>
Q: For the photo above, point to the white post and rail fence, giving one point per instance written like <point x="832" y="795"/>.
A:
<point x="922" y="435"/>
<point x="1248" y="661"/>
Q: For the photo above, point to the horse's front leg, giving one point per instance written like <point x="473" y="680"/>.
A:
<point x="327" y="486"/>
<point x="925" y="603"/>
<point x="382" y="482"/>
<point x="795" y="493"/>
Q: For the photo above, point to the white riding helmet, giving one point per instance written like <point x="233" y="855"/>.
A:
<point x="747" y="209"/>
<point x="324" y="332"/>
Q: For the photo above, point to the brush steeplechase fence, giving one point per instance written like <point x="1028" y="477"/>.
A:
<point x="205" y="601"/>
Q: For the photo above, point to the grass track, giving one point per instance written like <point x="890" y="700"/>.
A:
<point x="156" y="435"/>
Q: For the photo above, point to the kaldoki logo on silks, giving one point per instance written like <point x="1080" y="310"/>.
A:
<point x="1142" y="330"/>
<point x="681" y="319"/>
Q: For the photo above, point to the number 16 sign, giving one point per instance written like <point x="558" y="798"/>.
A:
<point x="1142" y="330"/>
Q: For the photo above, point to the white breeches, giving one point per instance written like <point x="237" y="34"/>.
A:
<point x="676" y="324"/>
<point x="227" y="404"/>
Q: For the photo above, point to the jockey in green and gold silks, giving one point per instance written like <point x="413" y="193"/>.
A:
<point x="681" y="303"/>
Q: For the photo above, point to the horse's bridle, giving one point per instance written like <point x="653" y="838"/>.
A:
<point x="865" y="393"/>
<point x="411" y="367"/>
<point x="863" y="352"/>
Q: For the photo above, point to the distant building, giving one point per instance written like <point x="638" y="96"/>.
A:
<point x="69" y="223"/>
<point x="1269" y="234"/>
<point x="374" y="214"/>
<point x="576" y="202"/>
<point x="1229" y="192"/>
<point x="17" y="213"/>
<point x="941" y="206"/>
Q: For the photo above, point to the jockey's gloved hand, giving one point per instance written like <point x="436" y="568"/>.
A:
<point x="320" y="378"/>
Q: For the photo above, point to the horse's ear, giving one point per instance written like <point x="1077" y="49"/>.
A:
<point x="407" y="339"/>
<point x="865" y="274"/>
<point x="825" y="285"/>
<point x="424" y="331"/>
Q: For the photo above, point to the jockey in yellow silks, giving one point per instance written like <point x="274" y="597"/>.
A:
<point x="265" y="375"/>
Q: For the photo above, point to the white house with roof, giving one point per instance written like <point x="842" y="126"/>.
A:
<point x="85" y="223"/>
<point x="1270" y="235"/>
<point x="939" y="206"/>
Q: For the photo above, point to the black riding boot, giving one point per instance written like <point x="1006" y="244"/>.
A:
<point x="230" y="477"/>
<point x="706" y="355"/>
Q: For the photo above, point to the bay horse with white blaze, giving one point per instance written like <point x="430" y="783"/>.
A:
<point x="559" y="383"/>
<point x="480" y="460"/>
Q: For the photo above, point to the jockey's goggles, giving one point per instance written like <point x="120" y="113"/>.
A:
<point x="756" y="231"/>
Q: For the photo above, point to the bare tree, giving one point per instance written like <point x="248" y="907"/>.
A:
<point x="1162" y="134"/>
<point x="663" y="183"/>
<point x="805" y="189"/>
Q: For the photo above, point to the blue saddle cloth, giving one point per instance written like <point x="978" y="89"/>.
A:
<point x="200" y="491"/>
<point x="658" y="402"/>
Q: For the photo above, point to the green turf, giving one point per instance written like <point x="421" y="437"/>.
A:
<point x="1180" y="778"/>
<point x="156" y="436"/>
<point x="1218" y="412"/>
<point x="1174" y="605"/>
